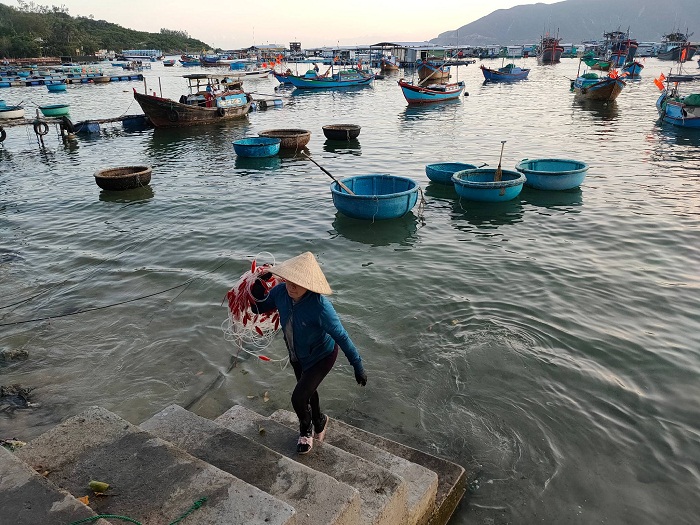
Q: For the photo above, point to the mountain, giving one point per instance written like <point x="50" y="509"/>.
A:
<point x="576" y="21"/>
<point x="33" y="30"/>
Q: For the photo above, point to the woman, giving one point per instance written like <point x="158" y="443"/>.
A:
<point x="312" y="332"/>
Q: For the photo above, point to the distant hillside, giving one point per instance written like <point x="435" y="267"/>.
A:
<point x="32" y="31"/>
<point x="579" y="20"/>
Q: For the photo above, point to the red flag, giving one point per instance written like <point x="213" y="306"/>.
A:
<point x="659" y="84"/>
<point x="662" y="77"/>
<point x="684" y="54"/>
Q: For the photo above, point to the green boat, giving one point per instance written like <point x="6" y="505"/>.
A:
<point x="55" y="110"/>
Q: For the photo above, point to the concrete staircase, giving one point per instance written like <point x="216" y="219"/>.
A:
<point x="243" y="463"/>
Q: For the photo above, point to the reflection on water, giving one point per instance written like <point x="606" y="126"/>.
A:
<point x="248" y="164"/>
<point x="143" y="193"/>
<point x="603" y="111"/>
<point x="415" y="112"/>
<point x="342" y="147"/>
<point x="401" y="231"/>
<point x="675" y="144"/>
<point x="551" y="199"/>
<point x="440" y="191"/>
<point x="466" y="214"/>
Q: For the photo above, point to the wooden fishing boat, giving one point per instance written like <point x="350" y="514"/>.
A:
<point x="507" y="73"/>
<point x="682" y="111"/>
<point x="225" y="100"/>
<point x="169" y="63"/>
<point x="389" y="63"/>
<point x="592" y="87"/>
<point x="250" y="74"/>
<point x="344" y="78"/>
<point x="676" y="47"/>
<point x="432" y="71"/>
<point x="417" y="94"/>
<point x="633" y="69"/>
<point x="598" y="64"/>
<point x="550" y="50"/>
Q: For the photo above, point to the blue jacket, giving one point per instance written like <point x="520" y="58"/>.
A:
<point x="316" y="327"/>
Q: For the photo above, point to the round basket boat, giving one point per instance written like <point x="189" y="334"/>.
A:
<point x="442" y="172"/>
<point x="479" y="184"/>
<point x="289" y="138"/>
<point x="54" y="88"/>
<point x="123" y="178"/>
<point x="55" y="110"/>
<point x="377" y="197"/>
<point x="553" y="174"/>
<point x="257" y="147"/>
<point x="341" y="131"/>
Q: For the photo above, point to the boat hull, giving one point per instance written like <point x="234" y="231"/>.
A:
<point x="605" y="90"/>
<point x="675" y="53"/>
<point x="493" y="75"/>
<point x="677" y="113"/>
<point x="325" y="83"/>
<point x="166" y="113"/>
<point x="10" y="112"/>
<point x="425" y="95"/>
<point x="432" y="72"/>
<point x="550" y="55"/>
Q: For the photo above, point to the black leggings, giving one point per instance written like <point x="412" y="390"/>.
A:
<point x="305" y="397"/>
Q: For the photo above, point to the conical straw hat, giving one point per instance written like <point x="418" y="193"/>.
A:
<point x="303" y="270"/>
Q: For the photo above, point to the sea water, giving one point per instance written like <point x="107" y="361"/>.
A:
<point x="548" y="344"/>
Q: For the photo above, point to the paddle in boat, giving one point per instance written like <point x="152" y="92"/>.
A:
<point x="507" y="73"/>
<point x="210" y="99"/>
<point x="417" y="94"/>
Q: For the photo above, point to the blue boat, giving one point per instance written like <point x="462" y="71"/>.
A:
<point x="282" y="78"/>
<point x="376" y="197"/>
<point x="417" y="94"/>
<point x="481" y="185"/>
<point x="679" y="111"/>
<point x="507" y="73"/>
<point x="442" y="172"/>
<point x="344" y="78"/>
<point x="632" y="69"/>
<point x="552" y="174"/>
<point x="257" y="147"/>
<point x="56" y="85"/>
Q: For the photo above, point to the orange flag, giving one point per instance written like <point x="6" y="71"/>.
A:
<point x="684" y="54"/>
<point x="662" y="77"/>
<point x="659" y="84"/>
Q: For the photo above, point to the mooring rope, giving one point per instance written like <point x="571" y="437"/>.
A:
<point x="196" y="505"/>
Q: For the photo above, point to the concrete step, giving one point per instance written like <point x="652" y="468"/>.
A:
<point x="452" y="479"/>
<point x="421" y="482"/>
<point x="150" y="480"/>
<point x="28" y="498"/>
<point x="382" y="493"/>
<point x="318" y="498"/>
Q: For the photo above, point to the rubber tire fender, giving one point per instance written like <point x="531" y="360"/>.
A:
<point x="221" y="112"/>
<point x="173" y="115"/>
<point x="3" y="134"/>
<point x="41" y="128"/>
<point x="67" y="125"/>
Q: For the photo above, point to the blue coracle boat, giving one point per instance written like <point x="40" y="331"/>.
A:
<point x="416" y="94"/>
<point x="480" y="184"/>
<point x="257" y="147"/>
<point x="507" y="73"/>
<point x="442" y="172"/>
<point x="552" y="174"/>
<point x="377" y="197"/>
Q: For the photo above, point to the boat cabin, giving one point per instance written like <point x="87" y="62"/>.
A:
<point x="211" y="90"/>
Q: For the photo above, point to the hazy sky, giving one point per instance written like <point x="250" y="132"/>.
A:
<point x="314" y="23"/>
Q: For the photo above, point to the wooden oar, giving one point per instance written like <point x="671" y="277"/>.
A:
<point x="324" y="170"/>
<point x="499" y="172"/>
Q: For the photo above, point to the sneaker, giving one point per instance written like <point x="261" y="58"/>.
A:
<point x="320" y="430"/>
<point x="304" y="444"/>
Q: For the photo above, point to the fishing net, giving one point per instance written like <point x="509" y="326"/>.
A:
<point x="251" y="332"/>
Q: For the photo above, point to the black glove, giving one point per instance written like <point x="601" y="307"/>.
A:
<point x="360" y="375"/>
<point x="259" y="290"/>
